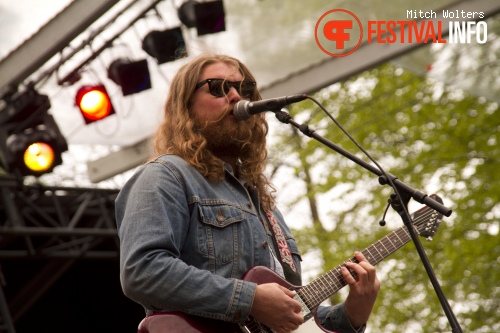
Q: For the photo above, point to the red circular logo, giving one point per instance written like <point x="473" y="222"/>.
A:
<point x="335" y="32"/>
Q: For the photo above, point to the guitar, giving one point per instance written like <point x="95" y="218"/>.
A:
<point x="425" y="221"/>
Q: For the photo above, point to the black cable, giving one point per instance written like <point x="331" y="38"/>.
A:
<point x="389" y="179"/>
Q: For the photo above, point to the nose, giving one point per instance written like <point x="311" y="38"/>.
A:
<point x="233" y="95"/>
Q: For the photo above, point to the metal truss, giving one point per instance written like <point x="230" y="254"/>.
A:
<point x="43" y="231"/>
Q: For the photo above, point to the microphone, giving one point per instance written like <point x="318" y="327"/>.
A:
<point x="245" y="109"/>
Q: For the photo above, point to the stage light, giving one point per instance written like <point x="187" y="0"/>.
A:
<point x="30" y="139"/>
<point x="94" y="103"/>
<point x="39" y="157"/>
<point x="35" y="151"/>
<point x="186" y="13"/>
<point x="165" y="46"/>
<point x="207" y="17"/>
<point x="132" y="76"/>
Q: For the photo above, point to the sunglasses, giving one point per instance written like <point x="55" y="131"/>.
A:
<point x="221" y="87"/>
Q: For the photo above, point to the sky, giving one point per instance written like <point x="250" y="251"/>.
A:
<point x="20" y="19"/>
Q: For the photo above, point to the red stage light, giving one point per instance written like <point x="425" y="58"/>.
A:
<point x="94" y="103"/>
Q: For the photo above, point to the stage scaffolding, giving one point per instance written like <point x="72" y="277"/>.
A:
<point x="43" y="231"/>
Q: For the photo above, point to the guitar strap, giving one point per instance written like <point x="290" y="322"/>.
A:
<point x="285" y="255"/>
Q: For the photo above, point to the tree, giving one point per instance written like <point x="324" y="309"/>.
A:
<point x="433" y="137"/>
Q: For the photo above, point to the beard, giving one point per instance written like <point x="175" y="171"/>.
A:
<point x="225" y="136"/>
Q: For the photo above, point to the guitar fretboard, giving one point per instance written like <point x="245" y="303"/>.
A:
<point x="331" y="282"/>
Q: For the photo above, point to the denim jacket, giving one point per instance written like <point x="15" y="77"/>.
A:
<point x="185" y="243"/>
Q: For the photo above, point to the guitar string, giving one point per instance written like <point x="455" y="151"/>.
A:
<point x="339" y="282"/>
<point x="317" y="291"/>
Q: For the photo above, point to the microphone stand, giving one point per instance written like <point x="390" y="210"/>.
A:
<point x="406" y="193"/>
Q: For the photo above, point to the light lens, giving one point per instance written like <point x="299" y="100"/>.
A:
<point x="95" y="105"/>
<point x="39" y="157"/>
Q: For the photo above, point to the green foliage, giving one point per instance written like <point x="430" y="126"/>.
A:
<point x="432" y="136"/>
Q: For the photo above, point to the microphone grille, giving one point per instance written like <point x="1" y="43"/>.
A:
<point x="240" y="110"/>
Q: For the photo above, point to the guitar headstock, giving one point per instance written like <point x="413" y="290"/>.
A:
<point x="426" y="220"/>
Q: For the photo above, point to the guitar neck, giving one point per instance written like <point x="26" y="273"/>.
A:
<point x="331" y="282"/>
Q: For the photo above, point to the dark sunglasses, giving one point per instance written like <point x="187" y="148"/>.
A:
<point x="221" y="87"/>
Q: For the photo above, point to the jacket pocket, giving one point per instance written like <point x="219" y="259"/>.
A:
<point x="219" y="232"/>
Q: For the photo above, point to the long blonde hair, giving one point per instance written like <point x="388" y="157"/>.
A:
<point x="176" y="134"/>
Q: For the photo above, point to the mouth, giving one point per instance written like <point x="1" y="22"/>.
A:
<point x="229" y="113"/>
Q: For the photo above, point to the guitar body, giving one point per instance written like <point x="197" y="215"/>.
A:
<point x="178" y="322"/>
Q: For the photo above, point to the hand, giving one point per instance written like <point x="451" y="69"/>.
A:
<point x="363" y="290"/>
<point x="274" y="307"/>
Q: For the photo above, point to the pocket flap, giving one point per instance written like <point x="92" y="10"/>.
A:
<point x="220" y="215"/>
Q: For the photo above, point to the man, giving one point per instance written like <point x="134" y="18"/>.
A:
<point x="201" y="213"/>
